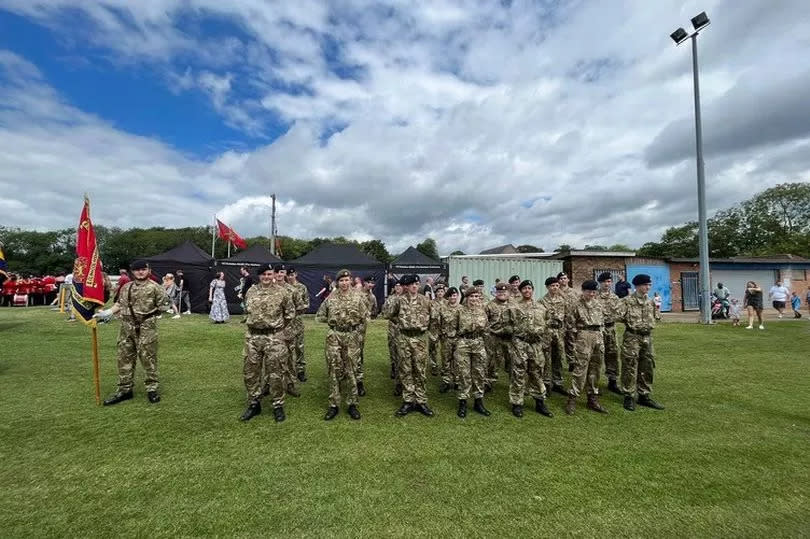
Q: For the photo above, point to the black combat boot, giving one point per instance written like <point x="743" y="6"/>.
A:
<point x="462" y="408"/>
<point x="254" y="408"/>
<point x="479" y="407"/>
<point x="571" y="405"/>
<point x="153" y="396"/>
<point x="265" y="391"/>
<point x="121" y="396"/>
<point x="278" y="414"/>
<point x="302" y="376"/>
<point x="517" y="410"/>
<point x="645" y="400"/>
<point x="353" y="412"/>
<point x="331" y="413"/>
<point x="541" y="408"/>
<point x="404" y="410"/>
<point x="423" y="409"/>
<point x="629" y="405"/>
<point x="614" y="387"/>
<point x="361" y="389"/>
<point x="593" y="404"/>
<point x="444" y="387"/>
<point x="558" y="388"/>
<point x="292" y="390"/>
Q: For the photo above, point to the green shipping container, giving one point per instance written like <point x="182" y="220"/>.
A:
<point x="491" y="268"/>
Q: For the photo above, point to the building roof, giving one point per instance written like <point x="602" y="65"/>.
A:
<point x="255" y="254"/>
<point x="614" y="254"/>
<point x="337" y="255"/>
<point x="185" y="253"/>
<point x="502" y="250"/>
<point x="777" y="259"/>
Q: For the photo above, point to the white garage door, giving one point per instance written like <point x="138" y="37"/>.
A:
<point x="735" y="280"/>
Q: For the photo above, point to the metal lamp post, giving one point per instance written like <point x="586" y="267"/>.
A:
<point x="699" y="22"/>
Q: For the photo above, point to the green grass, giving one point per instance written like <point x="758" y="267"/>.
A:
<point x="728" y="457"/>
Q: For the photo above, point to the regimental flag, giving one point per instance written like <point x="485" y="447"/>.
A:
<point x="3" y="266"/>
<point x="228" y="234"/>
<point x="88" y="282"/>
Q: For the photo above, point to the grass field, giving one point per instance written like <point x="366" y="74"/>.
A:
<point x="728" y="457"/>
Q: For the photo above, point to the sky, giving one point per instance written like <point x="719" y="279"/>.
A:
<point x="477" y="123"/>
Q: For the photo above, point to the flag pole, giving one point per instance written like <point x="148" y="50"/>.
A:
<point x="96" y="379"/>
<point x="214" y="236"/>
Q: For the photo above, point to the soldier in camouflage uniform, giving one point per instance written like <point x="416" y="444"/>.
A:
<point x="392" y="336"/>
<point x="637" y="312"/>
<point x="345" y="311"/>
<point x="514" y="288"/>
<point x="501" y="347"/>
<point x="470" y="326"/>
<point x="528" y="320"/>
<point x="140" y="302"/>
<point x="270" y="309"/>
<point x="447" y="336"/>
<point x="414" y="314"/>
<point x="571" y="297"/>
<point x="610" y="305"/>
<point x="301" y="305"/>
<point x="585" y="315"/>
<point x="555" y="305"/>
<point x="433" y="333"/>
<point x="289" y="334"/>
<point x="368" y="294"/>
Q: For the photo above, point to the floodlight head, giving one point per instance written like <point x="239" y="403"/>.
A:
<point x="679" y="36"/>
<point x="700" y="21"/>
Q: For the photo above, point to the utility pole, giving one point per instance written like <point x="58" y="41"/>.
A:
<point x="273" y="224"/>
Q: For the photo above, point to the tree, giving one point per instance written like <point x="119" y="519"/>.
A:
<point x="677" y="241"/>
<point x="619" y="247"/>
<point x="428" y="248"/>
<point x="563" y="247"/>
<point x="528" y="249"/>
<point x="595" y="248"/>
<point x="457" y="253"/>
<point x="376" y="248"/>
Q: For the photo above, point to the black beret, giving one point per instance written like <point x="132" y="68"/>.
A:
<point x="590" y="284"/>
<point x="343" y="273"/>
<point x="450" y="291"/>
<point x="524" y="284"/>
<point x="501" y="286"/>
<point x="138" y="264"/>
<point x="478" y="282"/>
<point x="641" y="278"/>
<point x="551" y="280"/>
<point x="604" y="276"/>
<point x="409" y="279"/>
<point x="370" y="279"/>
<point x="513" y="278"/>
<point x="561" y="274"/>
<point x="279" y="267"/>
<point x="290" y="269"/>
<point x="263" y="268"/>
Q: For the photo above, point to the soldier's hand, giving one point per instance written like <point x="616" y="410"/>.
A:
<point x="104" y="315"/>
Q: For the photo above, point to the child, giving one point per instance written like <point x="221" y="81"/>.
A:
<point x="657" y="302"/>
<point x="796" y="303"/>
<point x="734" y="312"/>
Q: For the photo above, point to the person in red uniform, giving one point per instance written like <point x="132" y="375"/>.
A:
<point x="123" y="278"/>
<point x="9" y="289"/>
<point x="48" y="288"/>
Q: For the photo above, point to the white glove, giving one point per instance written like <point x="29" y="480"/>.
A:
<point x="104" y="315"/>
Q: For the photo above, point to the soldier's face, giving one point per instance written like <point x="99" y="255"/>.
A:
<point x="527" y="291"/>
<point x="643" y="289"/>
<point x="514" y="285"/>
<point x="440" y="293"/>
<point x="474" y="299"/>
<point x="452" y="299"/>
<point x="607" y="285"/>
<point x="413" y="288"/>
<point x="291" y="277"/>
<point x="501" y="295"/>
<point x="553" y="288"/>
<point x="281" y="275"/>
<point x="563" y="280"/>
<point x="344" y="283"/>
<point x="266" y="277"/>
<point x="588" y="294"/>
<point x="397" y="289"/>
<point x="141" y="274"/>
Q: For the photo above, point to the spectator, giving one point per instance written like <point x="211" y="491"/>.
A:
<point x="807" y="300"/>
<point x="172" y="292"/>
<point x="622" y="287"/>
<point x="390" y="282"/>
<point x="779" y="295"/>
<point x="734" y="312"/>
<point x="657" y="302"/>
<point x="465" y="284"/>
<point x="753" y="303"/>
<point x="427" y="290"/>
<point x="245" y="282"/>
<point x="492" y="288"/>
<point x="796" y="304"/>
<point x="216" y="297"/>
<point x="123" y="278"/>
<point x="68" y="287"/>
<point x="326" y="289"/>
<point x="182" y="287"/>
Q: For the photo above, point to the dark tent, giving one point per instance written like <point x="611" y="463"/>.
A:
<point x="328" y="259"/>
<point x="197" y="268"/>
<point x="252" y="257"/>
<point x="414" y="261"/>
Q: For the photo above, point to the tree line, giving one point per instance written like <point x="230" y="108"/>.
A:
<point x="775" y="221"/>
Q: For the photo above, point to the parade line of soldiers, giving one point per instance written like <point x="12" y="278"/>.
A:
<point x="458" y="336"/>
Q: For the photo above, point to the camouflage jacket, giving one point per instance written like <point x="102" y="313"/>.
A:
<point x="343" y="310"/>
<point x="570" y="294"/>
<point x="145" y="297"/>
<point x="412" y="313"/>
<point x="470" y="321"/>
<point x="269" y="306"/>
<point x="447" y="320"/>
<point x="498" y="318"/>
<point x="301" y="295"/>
<point x="584" y="313"/>
<point x="529" y="319"/>
<point x="610" y="305"/>
<point x="637" y="312"/>
<point x="556" y="306"/>
<point x="371" y="299"/>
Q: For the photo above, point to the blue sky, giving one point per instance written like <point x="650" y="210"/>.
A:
<point x="476" y="123"/>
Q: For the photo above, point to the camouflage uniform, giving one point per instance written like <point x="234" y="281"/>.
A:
<point x="138" y="336"/>
<point x="270" y="310"/>
<point x="345" y="313"/>
<point x="433" y="340"/>
<point x="470" y="327"/>
<point x="571" y="296"/>
<point x="638" y="359"/>
<point x="610" y="305"/>
<point x="393" y="332"/>
<point x="555" y="340"/>
<point x="529" y="323"/>
<point x="414" y="314"/>
<point x="371" y="301"/>
<point x="589" y="348"/>
<point x="301" y="306"/>
<point x="499" y="338"/>
<point x="447" y="334"/>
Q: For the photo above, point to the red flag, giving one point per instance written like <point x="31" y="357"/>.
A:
<point x="228" y="234"/>
<point x="88" y="282"/>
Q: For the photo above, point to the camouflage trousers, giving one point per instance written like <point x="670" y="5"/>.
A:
<point x="589" y="351"/>
<point x="433" y="351"/>
<point x="555" y="350"/>
<point x="288" y="366"/>
<point x="570" y="352"/>
<point x="526" y="375"/>
<point x="638" y="364"/>
<point x="342" y="356"/>
<point x="298" y="344"/>
<point x="132" y="347"/>
<point x="448" y="369"/>
<point x="412" y="367"/>
<point x="499" y="354"/>
<point x="392" y="349"/>
<point x="271" y="354"/>
<point x="611" y="353"/>
<point x="361" y="358"/>
<point x="471" y="362"/>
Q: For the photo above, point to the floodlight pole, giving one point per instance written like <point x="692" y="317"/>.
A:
<point x="703" y="228"/>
